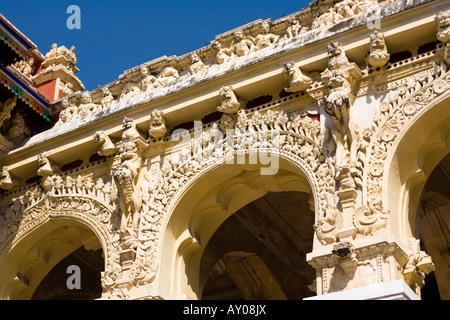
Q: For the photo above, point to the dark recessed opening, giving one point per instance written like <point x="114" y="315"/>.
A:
<point x="71" y="165"/>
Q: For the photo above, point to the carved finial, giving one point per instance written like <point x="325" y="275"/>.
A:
<point x="157" y="125"/>
<point x="229" y="102"/>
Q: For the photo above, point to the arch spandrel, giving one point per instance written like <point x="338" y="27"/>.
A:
<point x="299" y="154"/>
<point x="29" y="223"/>
<point x="413" y="127"/>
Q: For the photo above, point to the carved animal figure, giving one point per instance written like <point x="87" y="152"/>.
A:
<point x="107" y="147"/>
<point x="157" y="125"/>
<point x="223" y="54"/>
<point x="229" y="102"/>
<point x="6" y="182"/>
<point x="378" y="55"/>
<point x="296" y="79"/>
<point x="443" y="19"/>
<point x="336" y="56"/>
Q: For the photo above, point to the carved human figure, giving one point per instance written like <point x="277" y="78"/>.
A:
<point x="107" y="99"/>
<point x="364" y="5"/>
<point x="242" y="44"/>
<point x="296" y="79"/>
<point x="168" y="75"/>
<point x="86" y="106"/>
<point x="378" y="56"/>
<point x="68" y="112"/>
<point x="223" y="54"/>
<point x="17" y="130"/>
<point x="197" y="64"/>
<point x="54" y="52"/>
<point x="148" y="81"/>
<point x="6" y="108"/>
<point x="127" y="176"/>
<point x="66" y="88"/>
<point x="324" y="16"/>
<point x="443" y="22"/>
<point x="157" y="125"/>
<point x="337" y="105"/>
<point x="265" y="38"/>
<point x="26" y="66"/>
<point x="229" y="102"/>
<point x="344" y="9"/>
<point x="294" y="28"/>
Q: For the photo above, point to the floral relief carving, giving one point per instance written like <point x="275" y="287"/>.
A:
<point x="300" y="138"/>
<point x="404" y="103"/>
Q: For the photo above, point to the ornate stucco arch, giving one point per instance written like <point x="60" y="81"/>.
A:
<point x="410" y="138"/>
<point x="40" y="232"/>
<point x="214" y="190"/>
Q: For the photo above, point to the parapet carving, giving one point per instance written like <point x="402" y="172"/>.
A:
<point x="265" y="38"/>
<point x="68" y="112"/>
<point x="229" y="103"/>
<point x="107" y="98"/>
<point x="296" y="79"/>
<point x="294" y="28"/>
<point x="223" y="54"/>
<point x="378" y="56"/>
<point x="242" y="44"/>
<point x="243" y="41"/>
<point x="86" y="106"/>
<point x="197" y="64"/>
<point x="26" y="67"/>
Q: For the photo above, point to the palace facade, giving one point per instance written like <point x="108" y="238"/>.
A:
<point x="300" y="158"/>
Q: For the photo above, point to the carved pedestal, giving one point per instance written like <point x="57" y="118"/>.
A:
<point x="367" y="264"/>
<point x="127" y="257"/>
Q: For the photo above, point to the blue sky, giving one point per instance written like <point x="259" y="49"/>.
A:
<point x="118" y="35"/>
